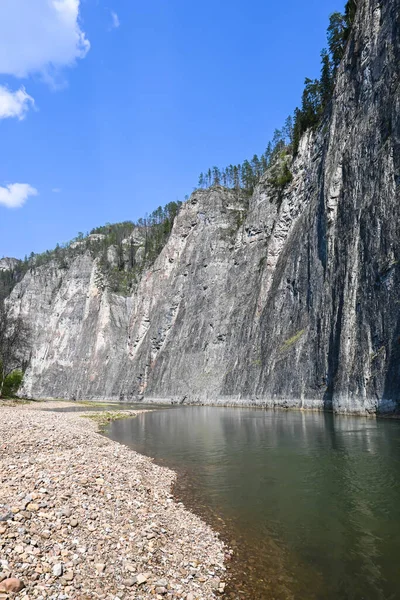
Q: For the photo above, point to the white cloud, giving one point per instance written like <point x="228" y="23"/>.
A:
<point x="16" y="194"/>
<point x="115" y="20"/>
<point x="40" y="36"/>
<point x="14" y="104"/>
<point x="56" y="190"/>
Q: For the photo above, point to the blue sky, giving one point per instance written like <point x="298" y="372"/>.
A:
<point x="110" y="108"/>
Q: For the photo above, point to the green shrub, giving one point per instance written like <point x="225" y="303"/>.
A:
<point x="281" y="176"/>
<point x="12" y="383"/>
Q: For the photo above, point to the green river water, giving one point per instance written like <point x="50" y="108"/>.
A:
<point x="310" y="502"/>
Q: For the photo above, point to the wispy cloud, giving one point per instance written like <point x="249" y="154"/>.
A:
<point x="40" y="36"/>
<point x="56" y="190"/>
<point x="115" y="20"/>
<point x="16" y="194"/>
<point x="14" y="104"/>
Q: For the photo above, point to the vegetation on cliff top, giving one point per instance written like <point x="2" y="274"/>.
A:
<point x="125" y="249"/>
<point x="315" y="102"/>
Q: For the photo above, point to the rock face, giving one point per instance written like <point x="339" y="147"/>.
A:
<point x="8" y="264"/>
<point x="286" y="299"/>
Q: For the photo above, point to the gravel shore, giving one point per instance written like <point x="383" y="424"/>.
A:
<point x="82" y="517"/>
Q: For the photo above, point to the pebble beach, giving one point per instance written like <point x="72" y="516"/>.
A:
<point x="83" y="517"/>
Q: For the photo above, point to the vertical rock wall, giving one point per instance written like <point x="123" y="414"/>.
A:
<point x="284" y="299"/>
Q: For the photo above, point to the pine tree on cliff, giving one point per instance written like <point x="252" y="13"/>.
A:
<point x="288" y="130"/>
<point x="256" y="167"/>
<point x="230" y="176"/>
<point x="247" y="176"/>
<point x="297" y="131"/>
<point x="326" y="81"/>
<point x="336" y="38"/>
<point x="349" y="15"/>
<point x="278" y="142"/>
<point x="216" y="176"/>
<point x="236" y="177"/>
<point x="264" y="163"/>
<point x="268" y="153"/>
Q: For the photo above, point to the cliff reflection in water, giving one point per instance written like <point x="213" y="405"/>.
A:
<point x="312" y="501"/>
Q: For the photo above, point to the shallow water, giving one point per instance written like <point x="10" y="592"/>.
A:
<point x="311" y="502"/>
<point x="99" y="407"/>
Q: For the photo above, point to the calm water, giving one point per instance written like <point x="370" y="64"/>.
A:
<point x="311" y="502"/>
<point x="100" y="407"/>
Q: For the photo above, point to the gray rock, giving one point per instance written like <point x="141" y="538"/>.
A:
<point x="140" y="578"/>
<point x="9" y="264"/>
<point x="6" y="517"/>
<point x="161" y="590"/>
<point x="285" y="299"/>
<point x="58" y="569"/>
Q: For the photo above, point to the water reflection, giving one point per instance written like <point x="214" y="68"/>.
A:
<point x="99" y="407"/>
<point x="311" y="500"/>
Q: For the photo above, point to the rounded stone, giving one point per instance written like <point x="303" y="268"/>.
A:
<point x="12" y="584"/>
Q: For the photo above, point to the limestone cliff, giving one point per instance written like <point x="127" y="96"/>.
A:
<point x="286" y="299"/>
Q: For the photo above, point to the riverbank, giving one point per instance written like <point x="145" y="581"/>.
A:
<point x="343" y="406"/>
<point x="82" y="517"/>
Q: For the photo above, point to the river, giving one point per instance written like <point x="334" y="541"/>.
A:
<point x="309" y="501"/>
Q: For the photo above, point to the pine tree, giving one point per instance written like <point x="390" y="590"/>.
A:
<point x="311" y="103"/>
<point x="278" y="142"/>
<point x="225" y="177"/>
<point x="236" y="177"/>
<point x="288" y="130"/>
<point x="326" y="81"/>
<point x="256" y="167"/>
<point x="201" y="180"/>
<point x="247" y="176"/>
<point x="349" y="15"/>
<point x="231" y="178"/>
<point x="216" y="176"/>
<point x="336" y="38"/>
<point x="268" y="153"/>
<point x="264" y="163"/>
<point x="297" y="130"/>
